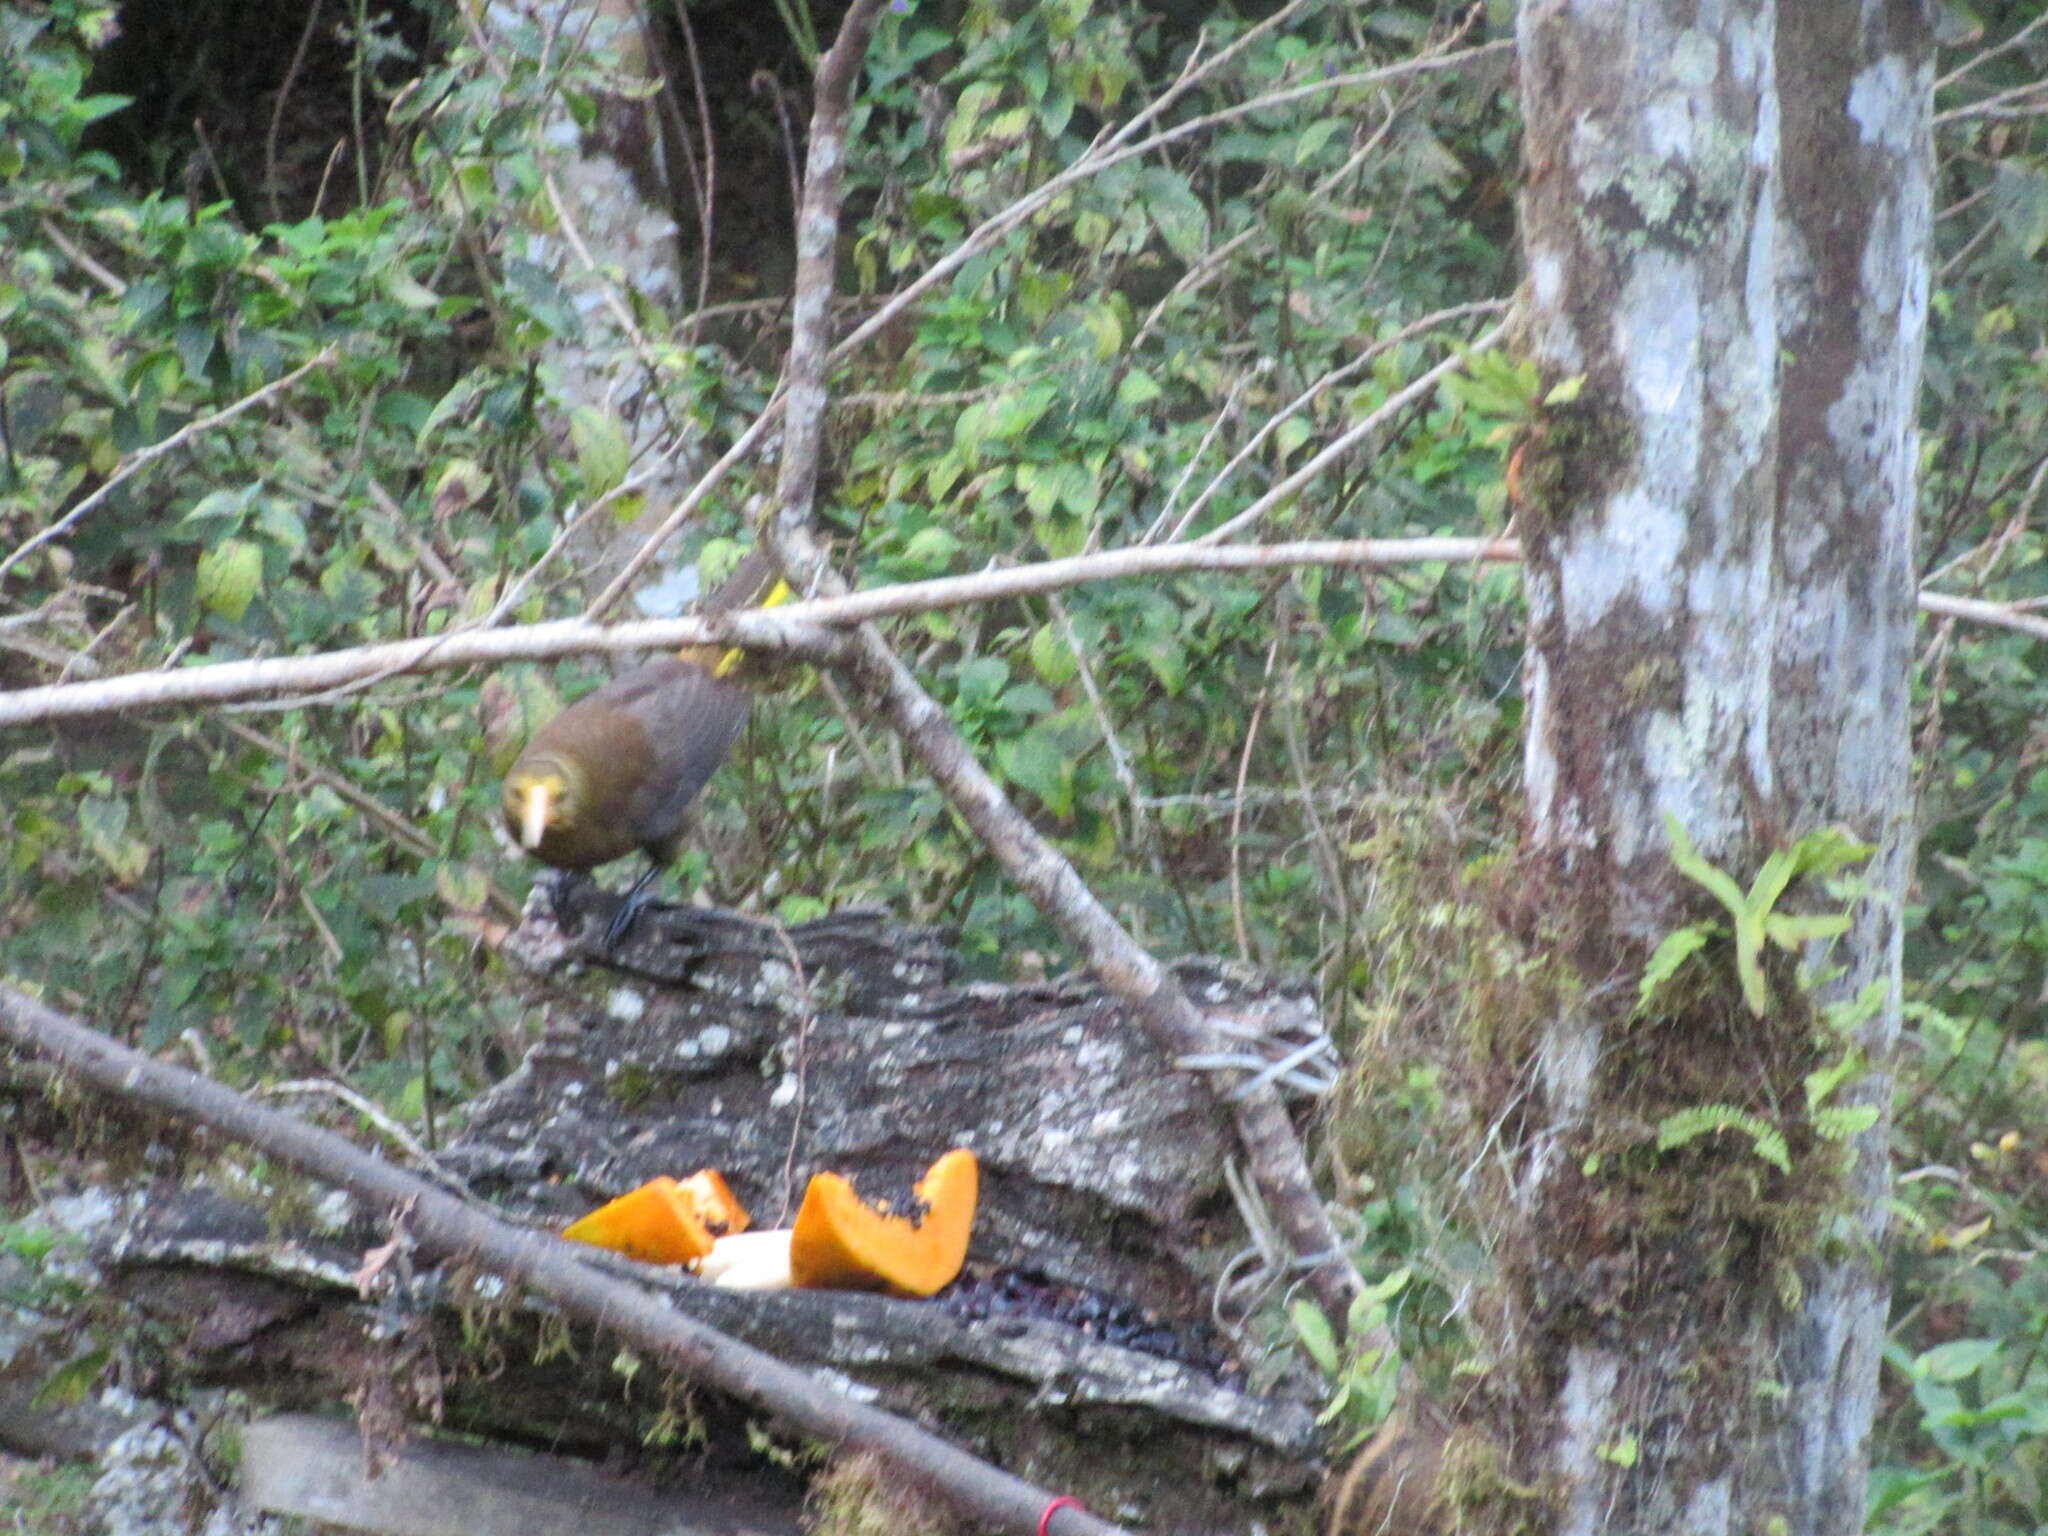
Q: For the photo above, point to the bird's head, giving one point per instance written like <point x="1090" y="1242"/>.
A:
<point x="542" y="795"/>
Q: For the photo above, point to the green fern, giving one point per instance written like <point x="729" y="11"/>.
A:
<point x="1677" y="947"/>
<point x="1706" y="1119"/>
<point x="1839" y="1122"/>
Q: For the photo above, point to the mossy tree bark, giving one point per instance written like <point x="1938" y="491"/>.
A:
<point x="1726" y="225"/>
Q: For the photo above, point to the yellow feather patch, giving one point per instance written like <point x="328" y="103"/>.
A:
<point x="777" y="595"/>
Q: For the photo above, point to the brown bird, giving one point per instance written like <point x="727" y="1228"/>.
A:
<point x="618" y="769"/>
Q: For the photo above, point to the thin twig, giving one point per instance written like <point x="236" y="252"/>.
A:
<point x="1348" y="441"/>
<point x="341" y="1093"/>
<point x="80" y="258"/>
<point x="1212" y="261"/>
<point x="1980" y="611"/>
<point x="1322" y="386"/>
<point x="1978" y="60"/>
<point x="1997" y="105"/>
<point x="706" y="182"/>
<point x="404" y="833"/>
<point x="284" y="95"/>
<point x="1244" y="767"/>
<point x="1084" y="673"/>
<point x="142" y="458"/>
<point x="570" y="231"/>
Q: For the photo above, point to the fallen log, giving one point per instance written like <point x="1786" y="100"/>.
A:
<point x="717" y="1040"/>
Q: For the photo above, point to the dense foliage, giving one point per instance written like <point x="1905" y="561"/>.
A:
<point x="1298" y="767"/>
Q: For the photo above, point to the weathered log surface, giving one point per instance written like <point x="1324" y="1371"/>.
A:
<point x="714" y="1040"/>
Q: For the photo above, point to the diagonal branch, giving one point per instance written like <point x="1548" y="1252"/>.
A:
<point x="543" y="1264"/>
<point x="1130" y="973"/>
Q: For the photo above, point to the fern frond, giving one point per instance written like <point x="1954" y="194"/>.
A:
<point x="1708" y="1119"/>
<point x="1838" y="1122"/>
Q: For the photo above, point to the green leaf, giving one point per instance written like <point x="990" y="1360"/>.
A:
<point x="67" y="1386"/>
<point x="230" y="575"/>
<point x="1051" y="657"/>
<point x="980" y="679"/>
<point x="1164" y="654"/>
<point x="1622" y="1452"/>
<point x="1035" y="761"/>
<point x="1104" y="324"/>
<point x="280" y="522"/>
<point x="1822" y="1083"/>
<point x="1790" y="930"/>
<point x="931" y="548"/>
<point x="2019" y="200"/>
<point x="962" y="128"/>
<point x="1722" y="888"/>
<point x="1291" y="434"/>
<point x="1826" y="850"/>
<point x="1138" y="388"/>
<point x="1011" y="416"/>
<point x="1339" y="1401"/>
<point x="1749" y="962"/>
<point x="1955" y="1360"/>
<point x="1386" y="1290"/>
<point x="1318" y="1339"/>
<point x="223" y="504"/>
<point x="195" y="340"/>
<point x="1842" y="1121"/>
<point x="104" y="821"/>
<point x="407" y="289"/>
<point x="1061" y="535"/>
<point x="602" y="449"/>
<point x="1771" y="880"/>
<point x="90" y="109"/>
<point x="1314" y="137"/>
<point x="462" y="484"/>
<point x="1175" y="212"/>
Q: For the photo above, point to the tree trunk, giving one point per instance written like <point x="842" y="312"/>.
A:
<point x="1726" y="227"/>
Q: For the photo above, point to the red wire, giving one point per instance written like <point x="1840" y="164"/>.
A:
<point x="1058" y="1504"/>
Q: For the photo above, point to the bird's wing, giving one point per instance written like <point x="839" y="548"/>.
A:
<point x="692" y="720"/>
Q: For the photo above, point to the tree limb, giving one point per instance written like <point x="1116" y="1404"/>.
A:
<point x="797" y="629"/>
<point x="1129" y="972"/>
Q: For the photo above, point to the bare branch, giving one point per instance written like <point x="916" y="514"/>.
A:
<point x="1978" y="60"/>
<point x="1980" y="611"/>
<point x="797" y="629"/>
<point x="1328" y="382"/>
<point x="1347" y="442"/>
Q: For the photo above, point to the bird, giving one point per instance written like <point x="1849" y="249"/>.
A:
<point x="617" y="770"/>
